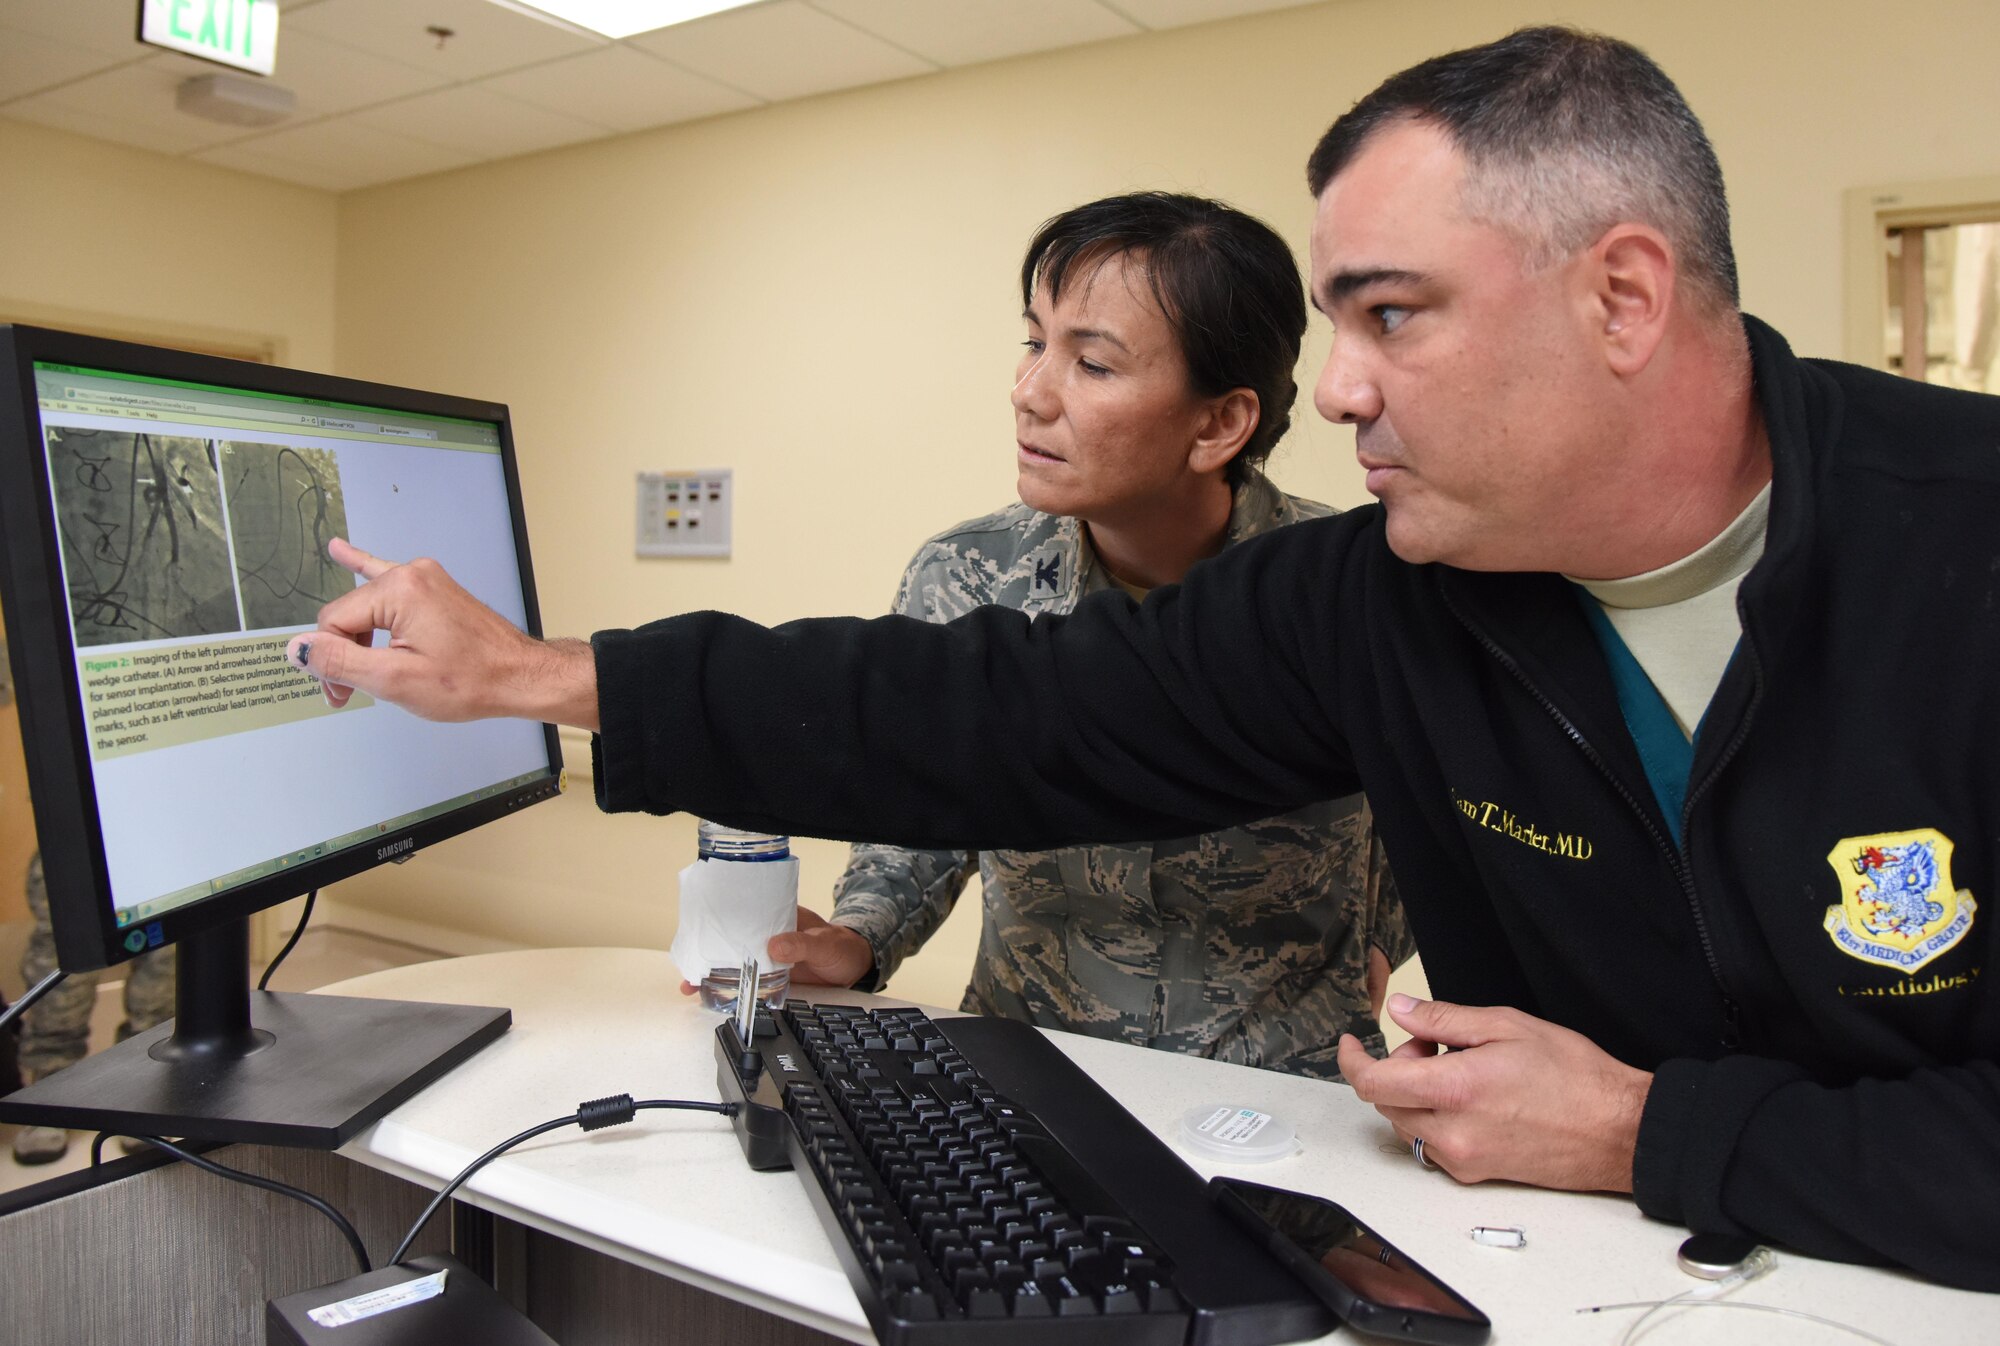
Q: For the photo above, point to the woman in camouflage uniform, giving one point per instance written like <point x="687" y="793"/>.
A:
<point x="1162" y="335"/>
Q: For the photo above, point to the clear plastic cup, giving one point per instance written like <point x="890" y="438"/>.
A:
<point x="719" y="845"/>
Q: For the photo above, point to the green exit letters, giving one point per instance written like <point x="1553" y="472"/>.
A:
<point x="240" y="33"/>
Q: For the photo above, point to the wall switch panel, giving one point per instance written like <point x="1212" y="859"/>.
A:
<point x="686" y="513"/>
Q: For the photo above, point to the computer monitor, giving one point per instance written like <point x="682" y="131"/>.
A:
<point x="163" y="526"/>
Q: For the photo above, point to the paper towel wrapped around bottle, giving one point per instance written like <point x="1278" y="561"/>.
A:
<point x="729" y="911"/>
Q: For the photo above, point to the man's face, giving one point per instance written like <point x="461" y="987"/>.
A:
<point x="1479" y="413"/>
<point x="1103" y="414"/>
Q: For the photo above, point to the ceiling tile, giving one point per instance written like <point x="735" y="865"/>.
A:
<point x="145" y="134"/>
<point x="139" y="98"/>
<point x="486" y="39"/>
<point x="379" y="100"/>
<point x="109" y="26"/>
<point x="619" y="87"/>
<point x="29" y="62"/>
<point x="1179" y="13"/>
<point x="474" y="121"/>
<point x="286" y="169"/>
<point x="330" y="78"/>
<point x="962" y="32"/>
<point x="336" y="154"/>
<point x="781" y="50"/>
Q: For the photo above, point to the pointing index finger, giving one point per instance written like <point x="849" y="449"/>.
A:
<point x="360" y="562"/>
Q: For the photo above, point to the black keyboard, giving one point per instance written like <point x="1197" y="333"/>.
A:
<point x="979" y="1187"/>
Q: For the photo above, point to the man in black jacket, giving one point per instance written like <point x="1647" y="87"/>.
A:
<point x="1666" y="660"/>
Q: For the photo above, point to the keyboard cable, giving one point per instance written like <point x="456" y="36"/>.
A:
<point x="591" y="1116"/>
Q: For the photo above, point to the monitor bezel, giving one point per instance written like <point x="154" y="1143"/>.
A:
<point x="53" y="737"/>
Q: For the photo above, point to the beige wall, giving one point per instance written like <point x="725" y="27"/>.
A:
<point x="101" y="238"/>
<point x="820" y="295"/>
<point x="106" y="238"/>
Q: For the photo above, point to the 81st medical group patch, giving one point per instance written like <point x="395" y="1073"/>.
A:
<point x="1898" y="907"/>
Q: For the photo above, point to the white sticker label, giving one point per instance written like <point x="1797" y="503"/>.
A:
<point x="379" y="1301"/>
<point x="1235" y="1126"/>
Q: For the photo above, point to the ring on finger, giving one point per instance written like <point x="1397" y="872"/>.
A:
<point x="1417" y="1151"/>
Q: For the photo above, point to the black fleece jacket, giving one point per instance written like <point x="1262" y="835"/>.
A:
<point x="1838" y="1104"/>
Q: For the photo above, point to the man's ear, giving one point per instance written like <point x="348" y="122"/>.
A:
<point x="1631" y="275"/>
<point x="1229" y="422"/>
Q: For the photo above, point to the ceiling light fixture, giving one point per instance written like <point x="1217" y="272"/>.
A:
<point x="234" y="100"/>
<point x="621" y="18"/>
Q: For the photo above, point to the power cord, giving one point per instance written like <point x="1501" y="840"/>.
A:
<point x="305" y="914"/>
<point x="325" y="1208"/>
<point x="591" y="1116"/>
<point x="28" y="999"/>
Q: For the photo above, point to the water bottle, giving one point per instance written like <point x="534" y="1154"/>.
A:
<point x="719" y="845"/>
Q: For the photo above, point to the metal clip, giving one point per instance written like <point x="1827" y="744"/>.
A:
<point x="746" y="1002"/>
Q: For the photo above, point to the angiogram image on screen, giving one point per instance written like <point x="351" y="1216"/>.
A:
<point x="285" y="505"/>
<point x="142" y="534"/>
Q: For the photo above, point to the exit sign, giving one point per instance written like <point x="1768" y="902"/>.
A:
<point x="240" y="33"/>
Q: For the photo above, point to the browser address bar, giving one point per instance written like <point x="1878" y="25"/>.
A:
<point x="129" y="400"/>
<point x="146" y="402"/>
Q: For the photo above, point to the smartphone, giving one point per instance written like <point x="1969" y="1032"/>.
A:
<point x="1356" y="1272"/>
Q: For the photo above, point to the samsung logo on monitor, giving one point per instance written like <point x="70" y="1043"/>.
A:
<point x="395" y="848"/>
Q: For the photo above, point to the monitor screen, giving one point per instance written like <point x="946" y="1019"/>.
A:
<point x="189" y="516"/>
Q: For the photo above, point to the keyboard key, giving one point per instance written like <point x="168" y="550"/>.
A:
<point x="986" y="1302"/>
<point x="1080" y="1259"/>
<point x="1070" y="1299"/>
<point x="1030" y="1302"/>
<point x="983" y="1236"/>
<point x="917" y="1306"/>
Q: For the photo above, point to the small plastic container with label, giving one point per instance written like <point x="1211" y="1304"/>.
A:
<point x="1235" y="1134"/>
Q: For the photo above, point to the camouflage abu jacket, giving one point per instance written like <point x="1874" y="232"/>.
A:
<point x="1247" y="945"/>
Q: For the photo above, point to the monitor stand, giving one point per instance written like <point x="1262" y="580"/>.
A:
<point x="259" y="1067"/>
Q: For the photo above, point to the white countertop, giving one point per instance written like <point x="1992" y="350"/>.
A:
<point x="670" y="1191"/>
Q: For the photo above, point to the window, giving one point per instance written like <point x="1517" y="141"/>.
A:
<point x="1942" y="315"/>
<point x="1923" y="281"/>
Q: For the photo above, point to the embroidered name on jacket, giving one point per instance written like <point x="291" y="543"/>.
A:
<point x="1898" y="907"/>
<point x="1491" y="816"/>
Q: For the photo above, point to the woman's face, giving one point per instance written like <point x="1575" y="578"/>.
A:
<point x="1103" y="414"/>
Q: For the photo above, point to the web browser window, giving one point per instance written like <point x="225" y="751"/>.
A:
<point x="194" y="520"/>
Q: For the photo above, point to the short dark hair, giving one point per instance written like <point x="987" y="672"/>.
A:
<point x="1227" y="284"/>
<point x="1564" y="134"/>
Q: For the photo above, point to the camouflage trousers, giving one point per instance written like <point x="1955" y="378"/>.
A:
<point x="56" y="1032"/>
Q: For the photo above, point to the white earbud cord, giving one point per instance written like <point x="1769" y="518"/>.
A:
<point x="1711" y="1297"/>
